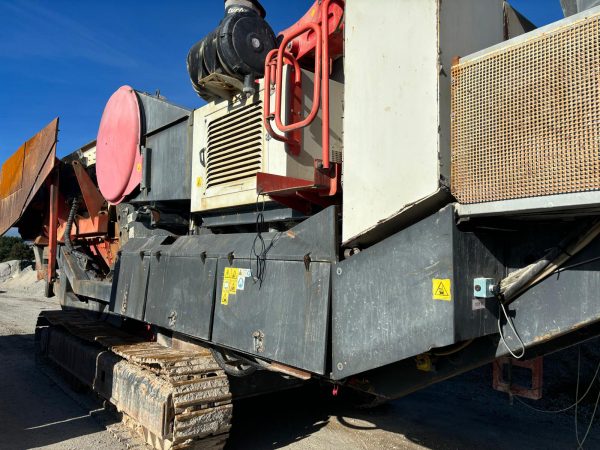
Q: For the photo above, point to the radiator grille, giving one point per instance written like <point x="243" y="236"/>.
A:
<point x="234" y="151"/>
<point x="526" y="118"/>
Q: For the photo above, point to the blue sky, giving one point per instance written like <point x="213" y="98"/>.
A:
<point x="65" y="58"/>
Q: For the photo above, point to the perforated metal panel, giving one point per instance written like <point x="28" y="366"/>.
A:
<point x="526" y="115"/>
<point x="234" y="149"/>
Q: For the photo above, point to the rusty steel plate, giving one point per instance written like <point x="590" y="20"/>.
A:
<point x="24" y="173"/>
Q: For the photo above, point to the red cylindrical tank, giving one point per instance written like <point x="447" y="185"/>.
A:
<point x="118" y="153"/>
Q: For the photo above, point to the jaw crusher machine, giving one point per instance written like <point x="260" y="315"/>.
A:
<point x="382" y="196"/>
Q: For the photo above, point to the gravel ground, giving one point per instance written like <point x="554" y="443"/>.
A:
<point x="463" y="413"/>
<point x="34" y="411"/>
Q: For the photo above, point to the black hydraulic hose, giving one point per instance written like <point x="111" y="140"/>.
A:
<point x="513" y="285"/>
<point x="69" y="226"/>
<point x="518" y="281"/>
<point x="231" y="369"/>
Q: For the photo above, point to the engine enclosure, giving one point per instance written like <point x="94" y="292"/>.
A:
<point x="231" y="144"/>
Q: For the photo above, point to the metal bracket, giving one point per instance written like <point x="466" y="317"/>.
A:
<point x="500" y="383"/>
<point x="307" y="261"/>
<point x="259" y="341"/>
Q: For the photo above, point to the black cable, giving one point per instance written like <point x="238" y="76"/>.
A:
<point x="587" y="432"/>
<point x="577" y="398"/>
<point x="511" y="325"/>
<point x="259" y="256"/>
<point x="259" y="247"/>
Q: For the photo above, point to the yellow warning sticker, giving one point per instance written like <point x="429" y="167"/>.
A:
<point x="199" y="182"/>
<point x="225" y="298"/>
<point x="234" y="279"/>
<point x="231" y="285"/>
<point x="441" y="289"/>
<point x="231" y="272"/>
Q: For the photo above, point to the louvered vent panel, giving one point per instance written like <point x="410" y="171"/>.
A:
<point x="526" y="117"/>
<point x="234" y="150"/>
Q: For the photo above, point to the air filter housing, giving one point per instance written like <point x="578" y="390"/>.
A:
<point x="526" y="117"/>
<point x="228" y="59"/>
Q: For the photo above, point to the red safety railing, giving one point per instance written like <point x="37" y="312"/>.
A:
<point x="317" y="84"/>
<point x="270" y="74"/>
<point x="274" y="63"/>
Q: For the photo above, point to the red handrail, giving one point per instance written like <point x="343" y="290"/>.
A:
<point x="321" y="83"/>
<point x="269" y="66"/>
<point x="317" y="84"/>
<point x="325" y="76"/>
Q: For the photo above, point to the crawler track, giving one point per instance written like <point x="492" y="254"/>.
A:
<point x="174" y="399"/>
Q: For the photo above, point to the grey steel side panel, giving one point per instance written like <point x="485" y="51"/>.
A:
<point x="131" y="277"/>
<point x="175" y="283"/>
<point x="167" y="150"/>
<point x="564" y="302"/>
<point x="290" y="310"/>
<point x="249" y="217"/>
<point x="316" y="236"/>
<point x="557" y="313"/>
<point x="571" y="7"/>
<point x="133" y="282"/>
<point x="168" y="154"/>
<point x="382" y="301"/>
<point x="98" y="290"/>
<point x="181" y="294"/>
<point x="383" y="308"/>
<point x="159" y="112"/>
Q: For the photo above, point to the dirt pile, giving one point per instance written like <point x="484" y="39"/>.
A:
<point x="9" y="269"/>
<point x="20" y="278"/>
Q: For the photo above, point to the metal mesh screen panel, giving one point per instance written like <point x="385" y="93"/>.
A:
<point x="526" y="118"/>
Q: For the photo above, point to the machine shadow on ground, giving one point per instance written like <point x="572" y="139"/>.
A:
<point x="34" y="411"/>
<point x="460" y="413"/>
<point x="464" y="412"/>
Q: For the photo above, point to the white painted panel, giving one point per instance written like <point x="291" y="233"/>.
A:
<point x="391" y="109"/>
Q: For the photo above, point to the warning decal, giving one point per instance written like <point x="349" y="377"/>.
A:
<point x="441" y="289"/>
<point x="234" y="280"/>
<point x="225" y="298"/>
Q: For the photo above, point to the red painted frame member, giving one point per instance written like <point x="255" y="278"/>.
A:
<point x="311" y="33"/>
<point x="270" y="74"/>
<point x="52" y="232"/>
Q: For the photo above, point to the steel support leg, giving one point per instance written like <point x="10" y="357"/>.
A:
<point x="52" y="231"/>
